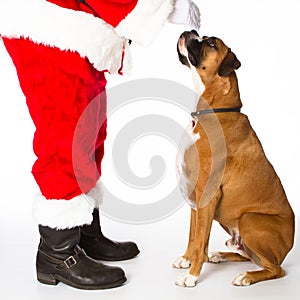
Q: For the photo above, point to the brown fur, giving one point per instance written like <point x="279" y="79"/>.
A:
<point x="247" y="196"/>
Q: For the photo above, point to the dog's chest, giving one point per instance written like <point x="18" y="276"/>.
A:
<point x="188" y="163"/>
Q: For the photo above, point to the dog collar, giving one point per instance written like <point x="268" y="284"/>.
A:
<point x="213" y="111"/>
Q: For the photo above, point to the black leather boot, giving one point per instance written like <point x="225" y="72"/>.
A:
<point x="97" y="246"/>
<point x="59" y="258"/>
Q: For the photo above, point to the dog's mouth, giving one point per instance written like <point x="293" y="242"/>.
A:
<point x="186" y="42"/>
<point x="191" y="47"/>
<point x="181" y="48"/>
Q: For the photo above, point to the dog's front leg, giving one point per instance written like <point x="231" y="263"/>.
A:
<point x="203" y="223"/>
<point x="184" y="262"/>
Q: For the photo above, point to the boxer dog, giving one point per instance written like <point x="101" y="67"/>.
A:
<point x="227" y="174"/>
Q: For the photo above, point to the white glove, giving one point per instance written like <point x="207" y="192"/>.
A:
<point x="185" y="12"/>
<point x="108" y="56"/>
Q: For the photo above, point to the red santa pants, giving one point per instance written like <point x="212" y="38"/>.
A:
<point x="67" y="102"/>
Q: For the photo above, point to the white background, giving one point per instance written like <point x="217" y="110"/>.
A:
<point x="264" y="36"/>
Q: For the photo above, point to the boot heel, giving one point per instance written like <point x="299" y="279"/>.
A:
<point x="47" y="279"/>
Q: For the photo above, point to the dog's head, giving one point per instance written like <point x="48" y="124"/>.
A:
<point x="209" y="55"/>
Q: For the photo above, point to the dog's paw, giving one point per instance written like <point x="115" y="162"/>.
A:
<point x="215" y="257"/>
<point x="186" y="280"/>
<point x="242" y="279"/>
<point x="181" y="263"/>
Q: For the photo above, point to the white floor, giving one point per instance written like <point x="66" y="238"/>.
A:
<point x="150" y="275"/>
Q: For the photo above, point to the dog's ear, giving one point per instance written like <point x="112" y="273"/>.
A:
<point x="193" y="48"/>
<point x="229" y="64"/>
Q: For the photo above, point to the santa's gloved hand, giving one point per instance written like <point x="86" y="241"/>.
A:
<point x="185" y="12"/>
<point x="114" y="56"/>
<point x="110" y="56"/>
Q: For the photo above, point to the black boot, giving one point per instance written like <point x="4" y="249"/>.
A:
<point x="59" y="258"/>
<point x="97" y="246"/>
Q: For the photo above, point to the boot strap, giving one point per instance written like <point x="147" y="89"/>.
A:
<point x="67" y="263"/>
<point x="71" y="261"/>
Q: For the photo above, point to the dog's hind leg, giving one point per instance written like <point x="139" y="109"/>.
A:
<point x="235" y="244"/>
<point x="218" y="257"/>
<point x="266" y="243"/>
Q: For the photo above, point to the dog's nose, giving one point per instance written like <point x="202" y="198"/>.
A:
<point x="195" y="32"/>
<point x="189" y="34"/>
<point x="184" y="35"/>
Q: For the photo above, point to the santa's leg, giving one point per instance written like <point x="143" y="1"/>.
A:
<point x="59" y="88"/>
<point x="93" y="241"/>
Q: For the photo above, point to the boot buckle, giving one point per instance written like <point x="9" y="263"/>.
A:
<point x="70" y="262"/>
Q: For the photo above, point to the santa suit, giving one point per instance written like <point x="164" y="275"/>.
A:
<point x="61" y="50"/>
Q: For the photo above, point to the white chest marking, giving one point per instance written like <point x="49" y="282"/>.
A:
<point x="188" y="140"/>
<point x="198" y="85"/>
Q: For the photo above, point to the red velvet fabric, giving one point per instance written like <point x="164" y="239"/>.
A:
<point x="59" y="86"/>
<point x="111" y="11"/>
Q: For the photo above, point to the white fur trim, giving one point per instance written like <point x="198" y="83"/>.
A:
<point x="51" y="25"/>
<point x="145" y="21"/>
<point x="97" y="194"/>
<point x="63" y="214"/>
<point x="127" y="61"/>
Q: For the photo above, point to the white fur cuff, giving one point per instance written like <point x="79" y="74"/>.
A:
<point x="96" y="194"/>
<point x="63" y="214"/>
<point x="69" y="30"/>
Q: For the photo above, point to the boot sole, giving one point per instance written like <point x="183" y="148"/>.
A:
<point x="52" y="279"/>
